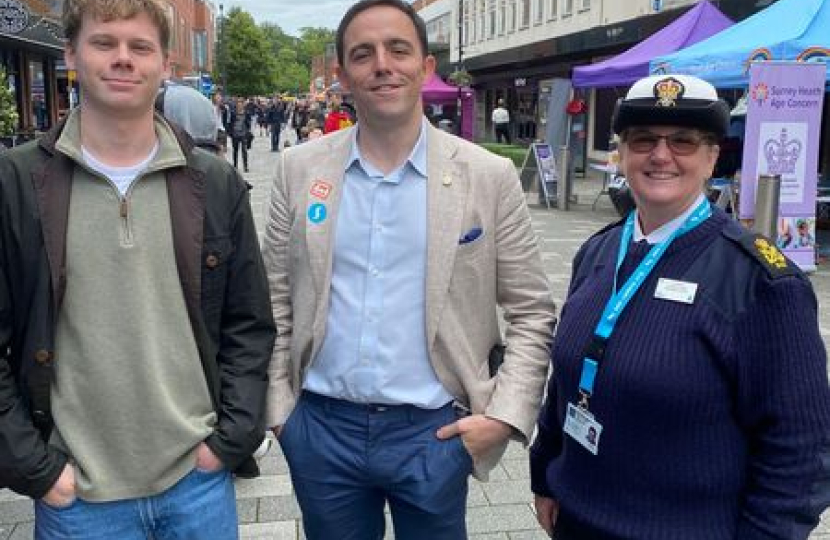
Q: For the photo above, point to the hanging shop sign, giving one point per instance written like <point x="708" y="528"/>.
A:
<point x="14" y="16"/>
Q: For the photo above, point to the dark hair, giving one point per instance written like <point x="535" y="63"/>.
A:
<point x="363" y="5"/>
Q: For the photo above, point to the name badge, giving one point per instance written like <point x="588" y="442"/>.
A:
<point x="676" y="291"/>
<point x="582" y="427"/>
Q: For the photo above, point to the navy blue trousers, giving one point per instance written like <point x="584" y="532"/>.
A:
<point x="348" y="460"/>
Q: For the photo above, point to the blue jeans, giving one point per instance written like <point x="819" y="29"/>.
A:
<point x="347" y="460"/>
<point x="201" y="505"/>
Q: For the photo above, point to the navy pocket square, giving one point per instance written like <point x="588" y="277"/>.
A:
<point x="471" y="235"/>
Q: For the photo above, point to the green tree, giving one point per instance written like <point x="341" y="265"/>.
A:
<point x="313" y="42"/>
<point x="291" y="75"/>
<point x="277" y="39"/>
<point x="245" y="60"/>
<point x="8" y="107"/>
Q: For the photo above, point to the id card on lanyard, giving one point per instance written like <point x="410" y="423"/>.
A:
<point x="580" y="423"/>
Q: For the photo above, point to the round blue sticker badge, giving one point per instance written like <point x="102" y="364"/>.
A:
<point x="317" y="213"/>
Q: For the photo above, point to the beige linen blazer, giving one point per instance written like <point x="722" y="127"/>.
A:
<point x="467" y="187"/>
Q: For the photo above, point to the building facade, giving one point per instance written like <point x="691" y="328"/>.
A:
<point x="524" y="51"/>
<point x="323" y="73"/>
<point x="193" y="25"/>
<point x="32" y="46"/>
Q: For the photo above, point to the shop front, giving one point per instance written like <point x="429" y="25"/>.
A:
<point x="31" y="52"/>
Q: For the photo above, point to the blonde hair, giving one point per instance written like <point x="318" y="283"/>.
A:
<point x="74" y="12"/>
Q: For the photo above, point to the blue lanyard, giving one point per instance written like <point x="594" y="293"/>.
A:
<point x="619" y="300"/>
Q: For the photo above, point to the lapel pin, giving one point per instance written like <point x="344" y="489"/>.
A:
<point x="447" y="180"/>
<point x="320" y="190"/>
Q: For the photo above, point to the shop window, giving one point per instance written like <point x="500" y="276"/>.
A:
<point x="491" y="15"/>
<point x="174" y="38"/>
<point x="39" y="109"/>
<point x="502" y="17"/>
<point x="480" y="26"/>
<point x="466" y="13"/>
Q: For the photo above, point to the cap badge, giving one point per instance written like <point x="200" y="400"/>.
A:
<point x="668" y="91"/>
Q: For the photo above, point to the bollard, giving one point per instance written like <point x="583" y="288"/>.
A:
<point x="563" y="182"/>
<point x="767" y="195"/>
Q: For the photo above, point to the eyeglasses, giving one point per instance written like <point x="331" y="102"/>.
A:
<point x="681" y="143"/>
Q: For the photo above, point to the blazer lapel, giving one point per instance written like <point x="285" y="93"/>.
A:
<point x="321" y="213"/>
<point x="447" y="190"/>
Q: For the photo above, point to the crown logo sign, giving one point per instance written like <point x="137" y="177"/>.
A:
<point x="782" y="154"/>
<point x="667" y="91"/>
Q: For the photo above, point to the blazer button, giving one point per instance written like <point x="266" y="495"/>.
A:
<point x="42" y="356"/>
<point x="212" y="261"/>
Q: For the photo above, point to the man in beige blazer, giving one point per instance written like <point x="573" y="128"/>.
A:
<point x="389" y="248"/>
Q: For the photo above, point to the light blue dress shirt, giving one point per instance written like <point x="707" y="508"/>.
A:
<point x="375" y="346"/>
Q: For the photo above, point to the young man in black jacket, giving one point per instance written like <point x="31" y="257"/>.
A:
<point x="135" y="328"/>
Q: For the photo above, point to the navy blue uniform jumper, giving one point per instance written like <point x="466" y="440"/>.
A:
<point x="715" y="414"/>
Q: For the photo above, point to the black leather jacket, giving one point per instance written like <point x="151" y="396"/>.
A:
<point x="222" y="277"/>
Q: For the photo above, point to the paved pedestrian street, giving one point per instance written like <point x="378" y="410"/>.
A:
<point x="498" y="510"/>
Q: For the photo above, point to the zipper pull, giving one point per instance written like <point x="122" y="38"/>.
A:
<point x="124" y="209"/>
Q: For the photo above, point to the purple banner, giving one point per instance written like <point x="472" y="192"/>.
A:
<point x="783" y="124"/>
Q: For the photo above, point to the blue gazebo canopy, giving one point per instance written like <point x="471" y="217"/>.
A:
<point x="786" y="30"/>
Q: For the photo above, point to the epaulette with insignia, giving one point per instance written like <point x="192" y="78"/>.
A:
<point x="765" y="252"/>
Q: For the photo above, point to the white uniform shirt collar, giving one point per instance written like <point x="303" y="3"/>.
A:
<point x="659" y="234"/>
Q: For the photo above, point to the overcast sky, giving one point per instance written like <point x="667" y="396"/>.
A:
<point x="291" y="15"/>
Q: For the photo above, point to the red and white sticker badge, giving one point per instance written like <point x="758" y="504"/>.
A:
<point x="320" y="190"/>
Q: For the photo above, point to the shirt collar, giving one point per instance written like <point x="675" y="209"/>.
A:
<point x="417" y="159"/>
<point x="659" y="234"/>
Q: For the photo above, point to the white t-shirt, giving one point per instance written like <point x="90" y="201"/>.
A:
<point x="500" y="115"/>
<point x="121" y="177"/>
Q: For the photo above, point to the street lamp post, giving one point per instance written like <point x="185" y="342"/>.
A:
<point x="222" y="50"/>
<point x="459" y="114"/>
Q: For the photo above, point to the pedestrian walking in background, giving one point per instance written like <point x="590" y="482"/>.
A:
<point x="501" y="122"/>
<point x="275" y="118"/>
<point x="125" y="392"/>
<point x="337" y="119"/>
<point x="690" y="347"/>
<point x="299" y="119"/>
<point x="240" y="123"/>
<point x="316" y="112"/>
<point x="223" y="119"/>
<point x="262" y="116"/>
<point x="390" y="246"/>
